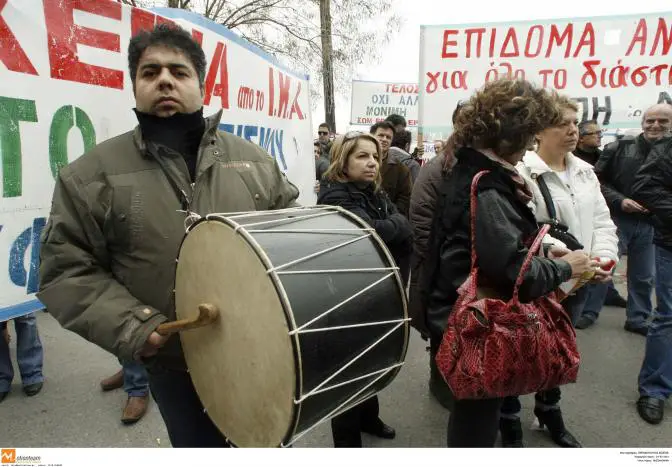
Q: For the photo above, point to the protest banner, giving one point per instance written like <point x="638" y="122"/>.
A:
<point x="64" y="87"/>
<point x="373" y="101"/>
<point x="613" y="67"/>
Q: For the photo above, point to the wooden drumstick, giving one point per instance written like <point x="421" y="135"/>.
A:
<point x="207" y="314"/>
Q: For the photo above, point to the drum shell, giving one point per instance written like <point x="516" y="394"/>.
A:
<point x="302" y="269"/>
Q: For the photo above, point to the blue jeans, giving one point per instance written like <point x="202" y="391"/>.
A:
<point x="136" y="381"/>
<point x="597" y="293"/>
<point x="655" y="377"/>
<point x="635" y="237"/>
<point x="29" y="354"/>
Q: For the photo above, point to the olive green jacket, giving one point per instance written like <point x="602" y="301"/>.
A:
<point x="107" y="259"/>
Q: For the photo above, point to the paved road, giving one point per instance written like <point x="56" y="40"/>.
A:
<point x="71" y="411"/>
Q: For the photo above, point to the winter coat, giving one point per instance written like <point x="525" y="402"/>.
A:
<point x="653" y="190"/>
<point x="376" y="209"/>
<point x="107" y="260"/>
<point x="505" y="226"/>
<point x="397" y="183"/>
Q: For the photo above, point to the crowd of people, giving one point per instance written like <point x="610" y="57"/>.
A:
<point x="602" y="205"/>
<point x="106" y="270"/>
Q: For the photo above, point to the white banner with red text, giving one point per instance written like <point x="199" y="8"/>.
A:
<point x="64" y="87"/>
<point x="613" y="67"/>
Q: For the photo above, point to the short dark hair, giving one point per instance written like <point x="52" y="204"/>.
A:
<point x="384" y="124"/>
<point x="583" y="126"/>
<point x="326" y="125"/>
<point x="166" y="35"/>
<point x="396" y="119"/>
<point x="317" y="144"/>
<point x="401" y="139"/>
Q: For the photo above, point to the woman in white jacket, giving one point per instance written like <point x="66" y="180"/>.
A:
<point x="578" y="204"/>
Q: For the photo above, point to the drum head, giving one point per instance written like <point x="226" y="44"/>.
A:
<point x="243" y="365"/>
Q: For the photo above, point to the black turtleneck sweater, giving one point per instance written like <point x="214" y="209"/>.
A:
<point x="588" y="156"/>
<point x="181" y="133"/>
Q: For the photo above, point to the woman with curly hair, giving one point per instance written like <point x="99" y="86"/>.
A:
<point x="493" y="130"/>
<point x="353" y="181"/>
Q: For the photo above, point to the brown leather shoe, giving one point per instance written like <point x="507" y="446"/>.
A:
<point x="136" y="406"/>
<point x="113" y="382"/>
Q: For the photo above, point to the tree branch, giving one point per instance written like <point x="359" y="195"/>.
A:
<point x="245" y="6"/>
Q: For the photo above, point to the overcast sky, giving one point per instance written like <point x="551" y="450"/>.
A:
<point x="399" y="61"/>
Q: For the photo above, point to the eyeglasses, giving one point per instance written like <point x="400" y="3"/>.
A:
<point x="323" y="133"/>
<point x="598" y="133"/>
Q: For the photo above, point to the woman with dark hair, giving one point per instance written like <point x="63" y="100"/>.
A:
<point x="353" y="182"/>
<point x="493" y="130"/>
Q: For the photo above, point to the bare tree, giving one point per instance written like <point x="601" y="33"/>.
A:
<point x="291" y="31"/>
<point x="327" y="67"/>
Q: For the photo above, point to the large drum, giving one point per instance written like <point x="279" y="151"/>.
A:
<point x="312" y="319"/>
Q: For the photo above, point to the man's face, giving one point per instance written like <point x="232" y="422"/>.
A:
<point x="323" y="134"/>
<point x="592" y="138"/>
<point x="166" y="83"/>
<point x="657" y="122"/>
<point x="438" y="145"/>
<point x="384" y="137"/>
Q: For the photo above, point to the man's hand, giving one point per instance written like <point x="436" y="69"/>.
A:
<point x="632" y="206"/>
<point x="154" y="342"/>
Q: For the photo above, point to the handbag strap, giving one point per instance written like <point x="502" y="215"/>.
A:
<point x="532" y="251"/>
<point x="546" y="194"/>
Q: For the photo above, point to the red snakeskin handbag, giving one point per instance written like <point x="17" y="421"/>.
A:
<point x="492" y="348"/>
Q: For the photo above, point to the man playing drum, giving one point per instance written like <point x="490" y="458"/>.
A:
<point x="108" y="252"/>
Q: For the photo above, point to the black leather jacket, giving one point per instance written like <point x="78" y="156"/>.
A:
<point x="616" y="168"/>
<point x="653" y="190"/>
<point x="504" y="226"/>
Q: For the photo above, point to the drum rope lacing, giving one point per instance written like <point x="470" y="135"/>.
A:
<point x="320" y="387"/>
<point x="190" y="219"/>
<point x="347" y="404"/>
<point x="328" y="210"/>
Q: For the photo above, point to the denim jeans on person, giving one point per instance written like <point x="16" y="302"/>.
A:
<point x="596" y="296"/>
<point x="655" y="377"/>
<point x="136" y="381"/>
<point x="29" y="353"/>
<point x="635" y="237"/>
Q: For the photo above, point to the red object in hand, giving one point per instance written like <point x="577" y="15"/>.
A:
<point x="608" y="266"/>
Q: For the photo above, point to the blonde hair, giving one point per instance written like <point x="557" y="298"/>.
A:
<point x="564" y="103"/>
<point x="341" y="149"/>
